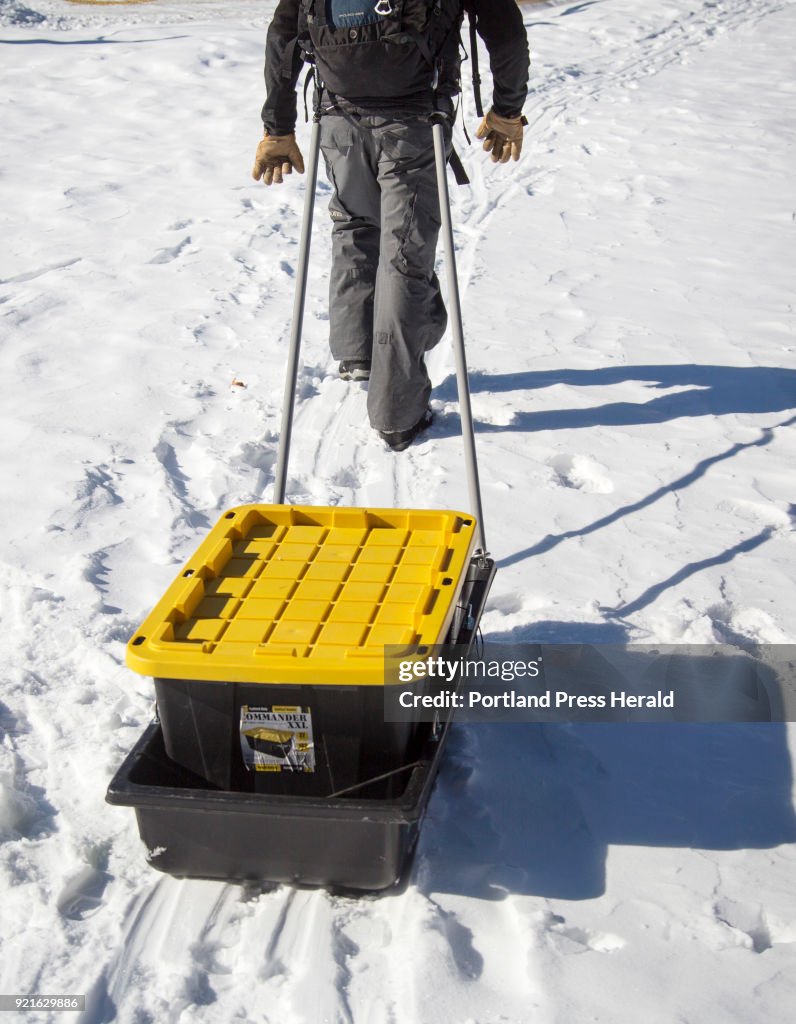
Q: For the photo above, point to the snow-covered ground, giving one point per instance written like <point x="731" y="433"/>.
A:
<point x="628" y="301"/>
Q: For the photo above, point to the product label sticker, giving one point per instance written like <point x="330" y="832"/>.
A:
<point x="277" y="738"/>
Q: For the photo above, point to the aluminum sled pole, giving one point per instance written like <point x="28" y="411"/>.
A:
<point x="289" y="401"/>
<point x="462" y="382"/>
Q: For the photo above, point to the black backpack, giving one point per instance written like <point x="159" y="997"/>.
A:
<point x="383" y="48"/>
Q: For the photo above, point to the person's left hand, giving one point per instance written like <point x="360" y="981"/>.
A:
<point x="277" y="155"/>
<point x="502" y="136"/>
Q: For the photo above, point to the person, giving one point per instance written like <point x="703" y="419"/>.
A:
<point x="384" y="79"/>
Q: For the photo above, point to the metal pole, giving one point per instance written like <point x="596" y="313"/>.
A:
<point x="455" y="308"/>
<point x="289" y="401"/>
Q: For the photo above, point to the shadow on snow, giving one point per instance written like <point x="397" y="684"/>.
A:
<point x="712" y="391"/>
<point x="532" y="809"/>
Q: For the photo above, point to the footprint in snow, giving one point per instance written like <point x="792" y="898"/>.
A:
<point x="581" y="473"/>
<point x="345" y="477"/>
<point x="508" y="604"/>
<point x="171" y="253"/>
<point x="82" y="895"/>
<point x="756" y="929"/>
<point x="571" y="939"/>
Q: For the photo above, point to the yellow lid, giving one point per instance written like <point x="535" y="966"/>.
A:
<point x="281" y="593"/>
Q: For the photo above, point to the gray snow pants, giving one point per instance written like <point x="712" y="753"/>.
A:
<point x="384" y="303"/>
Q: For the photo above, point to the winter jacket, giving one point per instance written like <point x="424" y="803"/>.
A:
<point x="499" y="24"/>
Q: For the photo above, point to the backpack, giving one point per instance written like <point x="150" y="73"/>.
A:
<point x="383" y="48"/>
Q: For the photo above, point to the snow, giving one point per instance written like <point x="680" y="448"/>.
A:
<point x="628" y="301"/>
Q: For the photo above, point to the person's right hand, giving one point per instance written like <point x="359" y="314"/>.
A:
<point x="277" y="155"/>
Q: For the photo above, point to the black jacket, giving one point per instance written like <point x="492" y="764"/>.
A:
<point x="499" y="24"/>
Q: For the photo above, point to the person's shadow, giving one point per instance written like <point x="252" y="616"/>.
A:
<point x="707" y="391"/>
<point x="711" y="390"/>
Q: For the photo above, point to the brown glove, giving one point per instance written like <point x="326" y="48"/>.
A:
<point x="502" y="136"/>
<point x="277" y="155"/>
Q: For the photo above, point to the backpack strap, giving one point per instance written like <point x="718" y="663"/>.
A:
<point x="479" y="107"/>
<point x="422" y="43"/>
<point x="315" y="12"/>
<point x="457" y="167"/>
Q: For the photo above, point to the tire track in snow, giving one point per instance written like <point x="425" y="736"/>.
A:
<point x="144" y="920"/>
<point x="290" y="954"/>
<point x="177" y="924"/>
<point x="225" y="952"/>
<point x="419" y="943"/>
<point x="326" y="416"/>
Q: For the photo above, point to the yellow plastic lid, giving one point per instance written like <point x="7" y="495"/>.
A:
<point x="281" y="593"/>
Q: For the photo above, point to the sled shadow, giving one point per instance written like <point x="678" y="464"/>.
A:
<point x="531" y="809"/>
